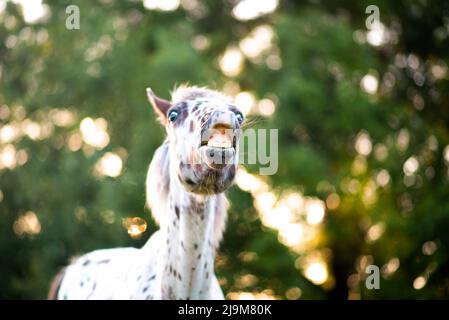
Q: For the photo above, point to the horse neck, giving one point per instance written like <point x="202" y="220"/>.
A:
<point x="188" y="256"/>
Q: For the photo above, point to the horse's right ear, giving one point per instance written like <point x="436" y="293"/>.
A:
<point x="161" y="106"/>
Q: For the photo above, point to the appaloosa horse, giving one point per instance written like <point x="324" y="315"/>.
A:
<point x="184" y="189"/>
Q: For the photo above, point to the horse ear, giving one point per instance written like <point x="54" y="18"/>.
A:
<point x="161" y="106"/>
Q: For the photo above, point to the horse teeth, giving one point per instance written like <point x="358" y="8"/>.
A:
<point x="218" y="144"/>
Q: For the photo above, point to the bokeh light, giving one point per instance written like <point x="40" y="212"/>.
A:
<point x="109" y="165"/>
<point x="94" y="132"/>
<point x="316" y="272"/>
<point x="33" y="11"/>
<point x="27" y="224"/>
<point x="369" y="84"/>
<point x="251" y="9"/>
<point x="245" y="101"/>
<point x="163" y="5"/>
<point x="231" y="63"/>
<point x="135" y="226"/>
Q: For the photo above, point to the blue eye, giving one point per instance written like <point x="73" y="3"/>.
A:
<point x="239" y="116"/>
<point x="172" y="115"/>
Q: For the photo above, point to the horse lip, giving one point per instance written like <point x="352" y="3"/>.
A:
<point x="208" y="133"/>
<point x="225" y="156"/>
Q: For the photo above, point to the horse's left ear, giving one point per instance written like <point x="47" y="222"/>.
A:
<point x="161" y="106"/>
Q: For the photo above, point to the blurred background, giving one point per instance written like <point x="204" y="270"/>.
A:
<point x="362" y="113"/>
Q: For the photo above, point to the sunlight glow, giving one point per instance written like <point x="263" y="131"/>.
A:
<point x="316" y="272"/>
<point x="363" y="144"/>
<point x="391" y="267"/>
<point x="258" y="41"/>
<point x="98" y="49"/>
<point x="333" y="201"/>
<point x="295" y="201"/>
<point x="377" y="36"/>
<point x="411" y="166"/>
<point x="278" y="218"/>
<point x="75" y="142"/>
<point x="375" y="232"/>
<point x="22" y="157"/>
<point x="94" y="132"/>
<point x="380" y="151"/>
<point x="265" y="200"/>
<point x="283" y="213"/>
<point x="162" y="5"/>
<point x="33" y="10"/>
<point x="315" y="212"/>
<point x="440" y="70"/>
<point x="369" y="195"/>
<point x="246" y="181"/>
<point x="109" y="165"/>
<point x="200" y="42"/>
<point x="293" y="293"/>
<point x="8" y="133"/>
<point x="359" y="165"/>
<point x="419" y="283"/>
<point x="251" y="9"/>
<point x="266" y="107"/>
<point x="446" y="154"/>
<point x="231" y="62"/>
<point x="264" y="295"/>
<point x="62" y="117"/>
<point x="31" y="129"/>
<point x="369" y="84"/>
<point x="274" y="61"/>
<point x="27" y="224"/>
<point x="363" y="261"/>
<point x="135" y="226"/>
<point x="291" y="235"/>
<point x="245" y="101"/>
<point x="383" y="178"/>
<point x="403" y="139"/>
<point x="246" y="280"/>
<point x="429" y="248"/>
<point x="8" y="157"/>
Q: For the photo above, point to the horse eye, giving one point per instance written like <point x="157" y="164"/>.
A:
<point x="239" y="116"/>
<point x="172" y="115"/>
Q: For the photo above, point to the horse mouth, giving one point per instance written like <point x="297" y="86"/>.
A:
<point x="221" y="136"/>
<point x="219" y="144"/>
<point x="217" y="147"/>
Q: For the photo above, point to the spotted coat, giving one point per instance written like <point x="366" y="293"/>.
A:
<point x="186" y="196"/>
